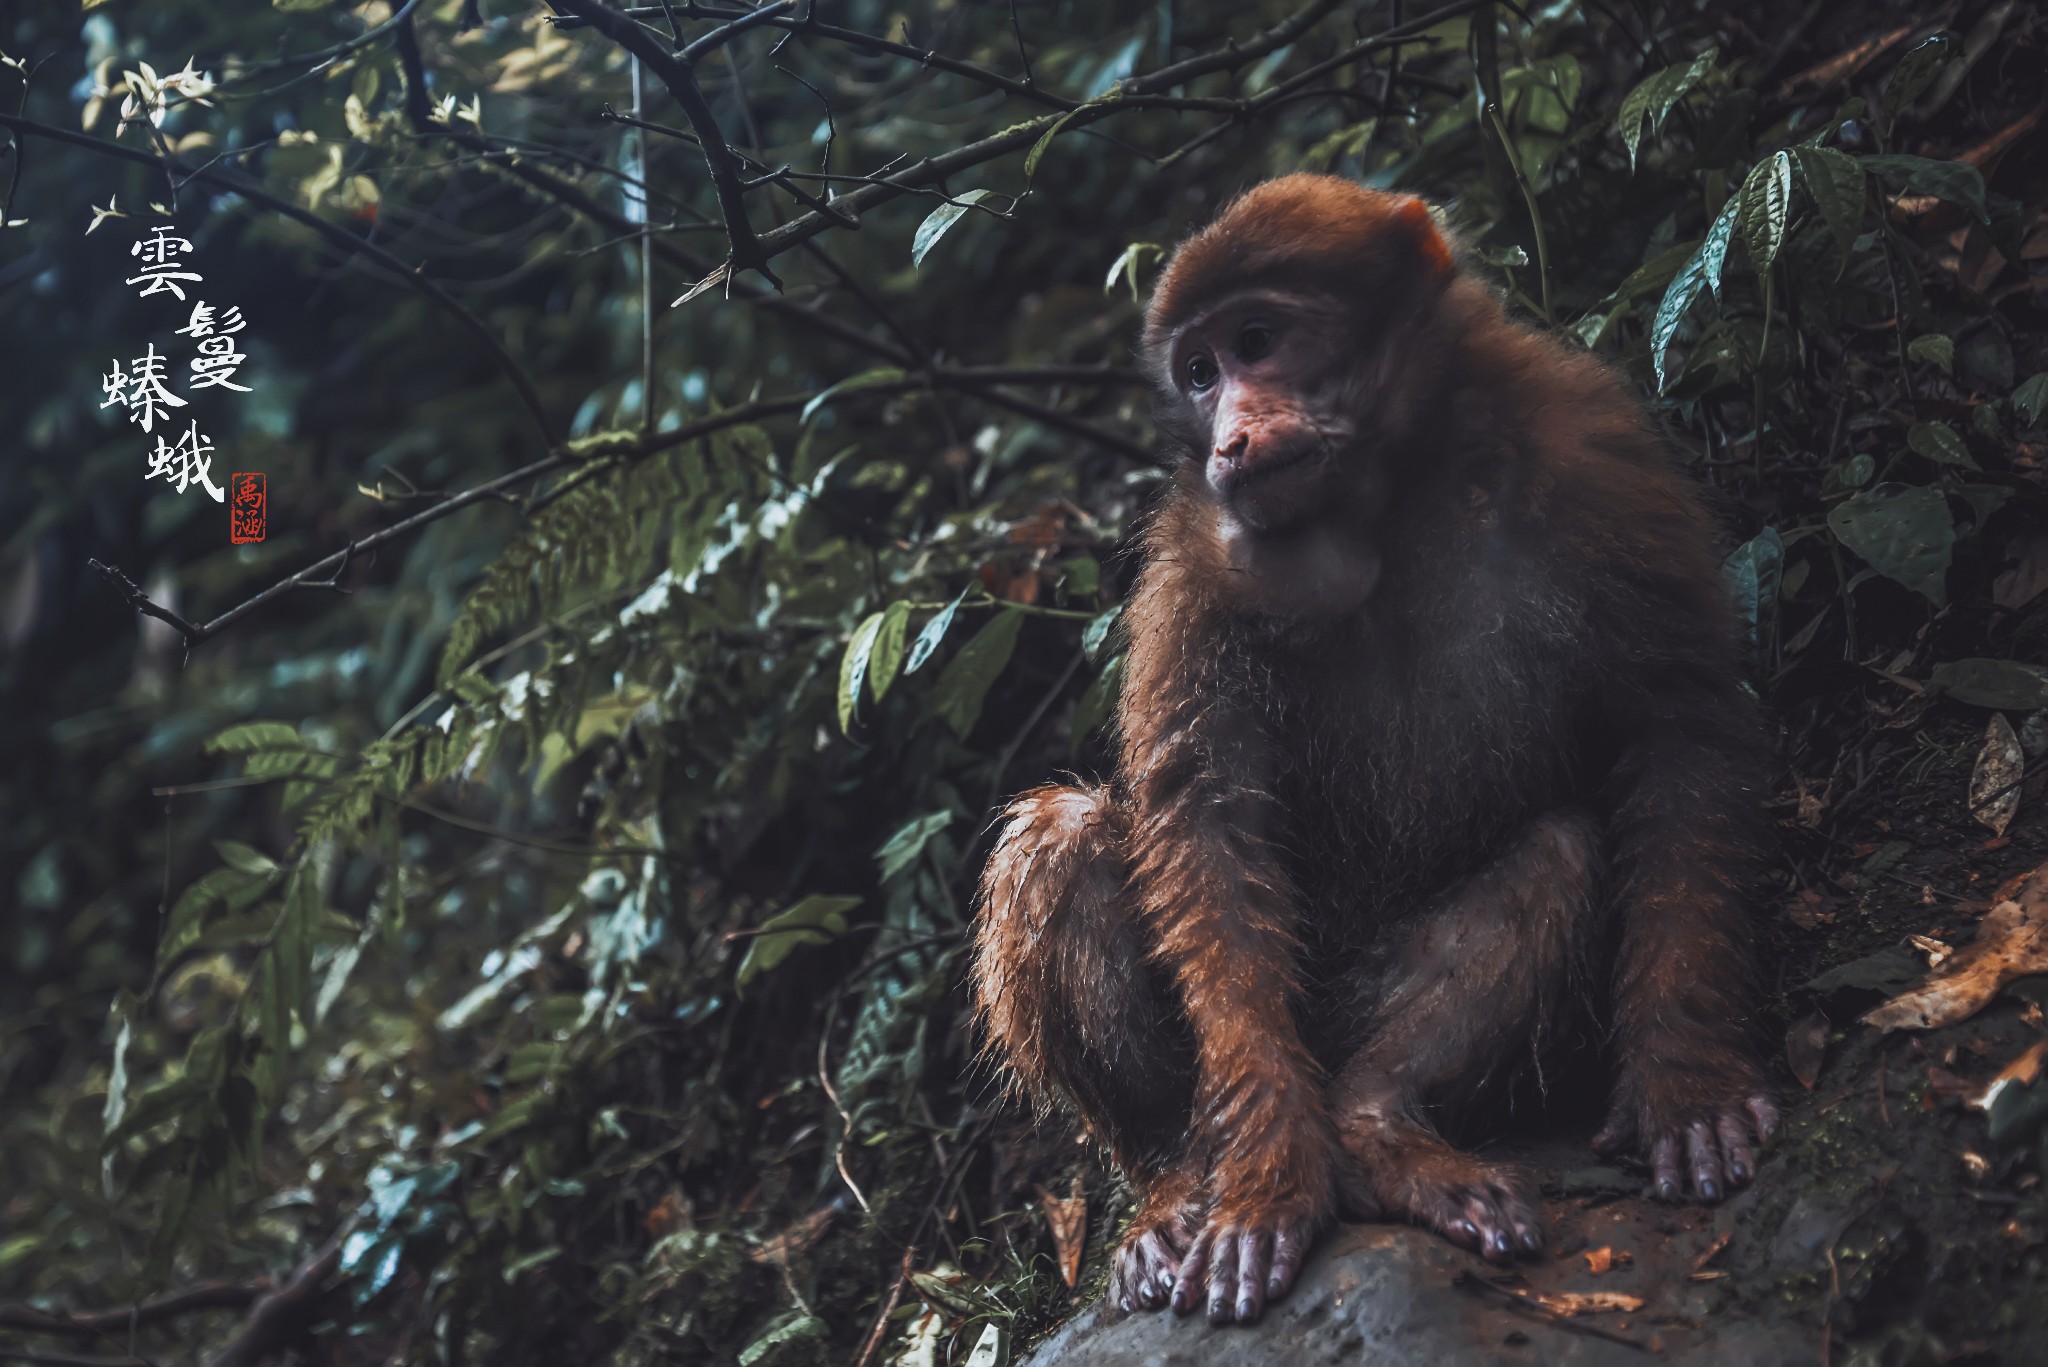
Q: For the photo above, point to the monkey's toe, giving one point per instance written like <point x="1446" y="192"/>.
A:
<point x="1715" y="1155"/>
<point x="1146" y="1265"/>
<point x="1237" y="1266"/>
<point x="1495" y="1217"/>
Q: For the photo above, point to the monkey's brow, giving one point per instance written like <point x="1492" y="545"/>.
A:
<point x="1286" y="302"/>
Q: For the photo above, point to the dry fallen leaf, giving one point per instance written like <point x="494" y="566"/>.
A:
<point x="1806" y="1045"/>
<point x="2012" y="941"/>
<point x="1995" y="782"/>
<point x="1712" y="1251"/>
<point x="1583" y="1302"/>
<point x="1937" y="951"/>
<point x="1599" y="1261"/>
<point x="1069" y="1221"/>
<point x="2024" y="1070"/>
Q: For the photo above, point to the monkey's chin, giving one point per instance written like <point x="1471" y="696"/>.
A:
<point x="1313" y="569"/>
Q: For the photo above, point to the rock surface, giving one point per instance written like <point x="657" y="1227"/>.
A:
<point x="1393" y="1296"/>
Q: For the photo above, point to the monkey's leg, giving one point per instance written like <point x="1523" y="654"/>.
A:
<point x="1687" y="833"/>
<point x="1475" y="992"/>
<point x="1078" y="1016"/>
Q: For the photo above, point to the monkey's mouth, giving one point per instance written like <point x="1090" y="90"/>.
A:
<point x="1276" y="492"/>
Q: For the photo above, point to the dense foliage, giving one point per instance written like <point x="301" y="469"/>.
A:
<point x="552" y="910"/>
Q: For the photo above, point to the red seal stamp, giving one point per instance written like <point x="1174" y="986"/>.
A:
<point x="248" y="507"/>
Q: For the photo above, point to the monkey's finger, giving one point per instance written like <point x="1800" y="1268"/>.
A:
<point x="1615" y="1134"/>
<point x="1493" y="1233"/>
<point x="1288" y="1247"/>
<point x="1222" y="1276"/>
<point x="1733" y="1133"/>
<point x="1705" y="1159"/>
<point x="1187" y="1288"/>
<point x="1664" y="1166"/>
<point x="1765" y="1115"/>
<point x="1254" y="1256"/>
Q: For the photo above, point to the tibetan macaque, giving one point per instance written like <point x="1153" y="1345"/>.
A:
<point x="1433" y="759"/>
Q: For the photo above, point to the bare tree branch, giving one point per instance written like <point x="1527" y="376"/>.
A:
<point x="679" y="74"/>
<point x="120" y="1319"/>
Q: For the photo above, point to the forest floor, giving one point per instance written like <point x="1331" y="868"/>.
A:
<point x="1887" y="1226"/>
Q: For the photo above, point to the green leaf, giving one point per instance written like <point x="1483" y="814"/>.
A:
<point x="1938" y="442"/>
<point x="244" y="858"/>
<point x="2006" y="685"/>
<point x="1702" y="268"/>
<point x="867" y="379"/>
<point x="2031" y="398"/>
<point x="934" y="632"/>
<point x="1903" y="532"/>
<point x="1095" y="704"/>
<point x="1751" y="576"/>
<point x="1936" y="349"/>
<point x="1766" y="205"/>
<point x="1097" y="631"/>
<point x="901" y="850"/>
<point x="1835" y="181"/>
<point x="886" y="655"/>
<point x="1958" y="182"/>
<point x="939" y="221"/>
<point x="1916" y="70"/>
<point x="853" y="668"/>
<point x="1656" y="96"/>
<point x="1044" y="141"/>
<point x="816" y="920"/>
<point x="255" y="735"/>
<point x="964" y="685"/>
<point x="1126" y="265"/>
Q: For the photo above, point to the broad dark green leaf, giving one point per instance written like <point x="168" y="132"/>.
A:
<point x="1938" y="442"/>
<point x="1934" y="349"/>
<point x="816" y="920"/>
<point x="2030" y="400"/>
<point x="1751" y="576"/>
<point x="1766" y="207"/>
<point x="885" y="656"/>
<point x="1905" y="533"/>
<point x="2008" y="685"/>
<point x="1702" y="269"/>
<point x="1655" y="97"/>
<point x="1958" y="182"/>
<point x="934" y="632"/>
<point x="901" y="850"/>
<point x="957" y="698"/>
<point x="853" y="667"/>
<point x="1836" y="182"/>
<point x="1921" y="64"/>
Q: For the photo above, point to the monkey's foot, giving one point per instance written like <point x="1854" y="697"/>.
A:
<point x="1160" y="1235"/>
<point x="1489" y="1208"/>
<point x="1714" y="1141"/>
<point x="1247" y="1253"/>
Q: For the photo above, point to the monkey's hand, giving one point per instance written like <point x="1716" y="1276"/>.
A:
<point x="1252" y="1244"/>
<point x="1159" y="1236"/>
<point x="1707" y="1130"/>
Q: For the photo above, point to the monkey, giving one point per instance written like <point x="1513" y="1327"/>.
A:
<point x="1433" y="756"/>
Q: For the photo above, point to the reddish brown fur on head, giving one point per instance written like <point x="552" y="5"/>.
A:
<point x="1322" y="228"/>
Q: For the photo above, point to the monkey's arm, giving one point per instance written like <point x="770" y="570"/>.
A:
<point x="1688" y="832"/>
<point x="1223" y="917"/>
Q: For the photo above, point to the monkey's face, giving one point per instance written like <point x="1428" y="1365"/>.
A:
<point x="1263" y="388"/>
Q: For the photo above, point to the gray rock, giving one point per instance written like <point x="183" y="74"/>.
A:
<point x="1394" y="1296"/>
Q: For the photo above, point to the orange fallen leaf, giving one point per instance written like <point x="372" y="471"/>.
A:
<point x="1711" y="1252"/>
<point x="1599" y="1261"/>
<point x="2024" y="1070"/>
<point x="1069" y="1222"/>
<point x="1583" y="1302"/>
<point x="2012" y="942"/>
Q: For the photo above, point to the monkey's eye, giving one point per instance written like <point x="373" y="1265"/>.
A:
<point x="1254" y="340"/>
<point x="1201" y="370"/>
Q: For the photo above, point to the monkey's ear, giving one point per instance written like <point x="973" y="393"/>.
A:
<point x="1413" y="218"/>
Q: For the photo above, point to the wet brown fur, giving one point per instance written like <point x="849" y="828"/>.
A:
<point x="1358" y="872"/>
